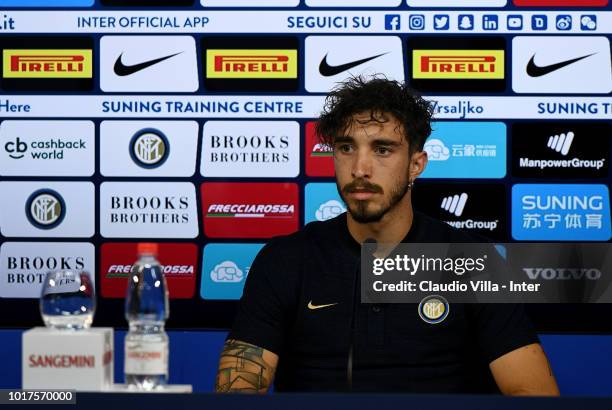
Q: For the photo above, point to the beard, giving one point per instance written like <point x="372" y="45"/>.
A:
<point x="360" y="209"/>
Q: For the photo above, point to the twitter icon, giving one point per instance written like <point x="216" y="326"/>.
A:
<point x="441" y="21"/>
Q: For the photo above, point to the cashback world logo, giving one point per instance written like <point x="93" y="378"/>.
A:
<point x="40" y="148"/>
<point x="563" y="212"/>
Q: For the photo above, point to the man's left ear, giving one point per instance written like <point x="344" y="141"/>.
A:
<point x="418" y="162"/>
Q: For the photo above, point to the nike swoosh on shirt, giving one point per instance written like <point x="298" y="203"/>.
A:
<point x="314" y="307"/>
<point x="123" y="70"/>
<point x="327" y="70"/>
<point x="534" y="70"/>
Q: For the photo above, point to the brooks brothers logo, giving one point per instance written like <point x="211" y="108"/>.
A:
<point x="123" y="70"/>
<point x="47" y="63"/>
<point x="433" y="309"/>
<point x="312" y="306"/>
<point x="534" y="70"/>
<point x="454" y="203"/>
<point x="251" y="149"/>
<point x="149" y="148"/>
<point x="328" y="70"/>
<point x="458" y="64"/>
<point x="251" y="63"/>
<point x="45" y="209"/>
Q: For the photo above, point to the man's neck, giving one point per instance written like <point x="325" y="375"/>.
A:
<point x="392" y="228"/>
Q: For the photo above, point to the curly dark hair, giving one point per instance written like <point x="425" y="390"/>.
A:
<point x="378" y="96"/>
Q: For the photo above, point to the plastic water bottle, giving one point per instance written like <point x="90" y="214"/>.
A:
<point x="146" y="310"/>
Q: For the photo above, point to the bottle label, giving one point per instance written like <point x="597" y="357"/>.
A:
<point x="146" y="358"/>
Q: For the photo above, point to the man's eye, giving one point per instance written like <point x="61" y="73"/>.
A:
<point x="345" y="148"/>
<point x="382" y="150"/>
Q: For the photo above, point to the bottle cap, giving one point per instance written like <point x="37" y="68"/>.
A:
<point x="147" y="248"/>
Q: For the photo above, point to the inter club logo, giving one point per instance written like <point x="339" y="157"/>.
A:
<point x="45" y="209"/>
<point x="149" y="148"/>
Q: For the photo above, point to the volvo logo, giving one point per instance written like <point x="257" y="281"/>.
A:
<point x="149" y="148"/>
<point x="45" y="209"/>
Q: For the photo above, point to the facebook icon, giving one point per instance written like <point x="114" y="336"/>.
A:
<point x="392" y="21"/>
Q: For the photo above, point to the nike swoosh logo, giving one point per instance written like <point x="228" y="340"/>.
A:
<point x="315" y="307"/>
<point x="534" y="70"/>
<point x="327" y="70"/>
<point x="123" y="70"/>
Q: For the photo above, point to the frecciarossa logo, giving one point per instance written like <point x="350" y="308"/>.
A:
<point x="249" y="210"/>
<point x="178" y="260"/>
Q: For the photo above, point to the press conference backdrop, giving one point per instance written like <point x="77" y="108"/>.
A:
<point x="192" y="124"/>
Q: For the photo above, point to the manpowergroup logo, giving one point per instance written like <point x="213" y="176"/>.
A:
<point x="225" y="268"/>
<point x="458" y="63"/>
<point x="319" y="156"/>
<point x="47" y="209"/>
<point x="581" y="64"/>
<point x="178" y="260"/>
<point x="466" y="150"/>
<point x="561" y="150"/>
<point x="561" y="212"/>
<point x="24" y="265"/>
<point x="332" y="59"/>
<point x="148" y="64"/>
<point x="322" y="202"/>
<point x="148" y="148"/>
<point x="479" y="208"/>
<point x="251" y="63"/>
<point x="251" y="149"/>
<point x="47" y="63"/>
<point x="148" y="210"/>
<point x="249" y="210"/>
<point x="47" y="148"/>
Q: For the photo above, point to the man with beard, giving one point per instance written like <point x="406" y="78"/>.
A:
<point x="300" y="321"/>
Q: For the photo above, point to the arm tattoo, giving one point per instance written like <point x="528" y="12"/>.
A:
<point x="242" y="369"/>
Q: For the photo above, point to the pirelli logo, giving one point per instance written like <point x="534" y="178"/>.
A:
<point x="458" y="64"/>
<point x="258" y="64"/>
<point x="70" y="63"/>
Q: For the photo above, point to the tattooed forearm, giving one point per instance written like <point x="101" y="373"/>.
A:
<point x="242" y="369"/>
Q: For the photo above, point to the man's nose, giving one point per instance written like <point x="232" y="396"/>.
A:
<point x="362" y="165"/>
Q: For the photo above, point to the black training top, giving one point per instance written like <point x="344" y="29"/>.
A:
<point x="393" y="348"/>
